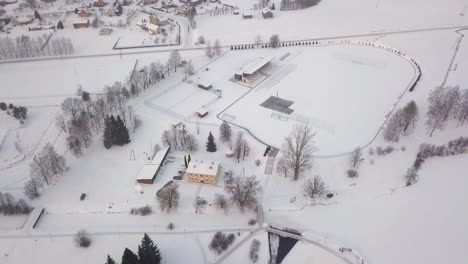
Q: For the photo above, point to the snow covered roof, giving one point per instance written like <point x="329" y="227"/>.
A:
<point x="204" y="167"/>
<point x="149" y="170"/>
<point x="255" y="65"/>
<point x="202" y="111"/>
<point x="247" y="13"/>
<point x="152" y="27"/>
<point x="80" y="20"/>
<point x="204" y="83"/>
<point x="265" y="10"/>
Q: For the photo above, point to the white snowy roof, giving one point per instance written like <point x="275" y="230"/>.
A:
<point x="148" y="171"/>
<point x="152" y="27"/>
<point x="256" y="65"/>
<point x="204" y="167"/>
<point x="247" y="14"/>
<point x="202" y="111"/>
<point x="204" y="83"/>
<point x="265" y="10"/>
<point x="80" y="20"/>
<point x="159" y="157"/>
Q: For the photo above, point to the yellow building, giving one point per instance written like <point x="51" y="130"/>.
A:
<point x="203" y="171"/>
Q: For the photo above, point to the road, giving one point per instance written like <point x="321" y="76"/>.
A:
<point x="186" y="46"/>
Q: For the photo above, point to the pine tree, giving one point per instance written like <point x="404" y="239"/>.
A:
<point x="185" y="162"/>
<point x="189" y="159"/>
<point x="121" y="133"/>
<point x="108" y="136"/>
<point x="148" y="252"/>
<point x="210" y="145"/>
<point x="129" y="257"/>
<point x="110" y="260"/>
<point x="113" y="129"/>
<point x="37" y="15"/>
<point x="60" y="25"/>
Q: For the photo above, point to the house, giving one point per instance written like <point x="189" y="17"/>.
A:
<point x="99" y="3"/>
<point x="266" y="13"/>
<point x="23" y="20"/>
<point x="109" y="12"/>
<point x="81" y="23"/>
<point x="203" y="171"/>
<point x="202" y="112"/>
<point x="235" y="12"/>
<point x="204" y="85"/>
<point x="253" y="69"/>
<point x="105" y="31"/>
<point x="149" y="2"/>
<point x="84" y="13"/>
<point x="152" y="28"/>
<point x="247" y="15"/>
<point x="150" y="171"/>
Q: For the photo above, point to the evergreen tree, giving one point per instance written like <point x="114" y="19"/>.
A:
<point x="148" y="252"/>
<point x="37" y="15"/>
<point x="113" y="129"/>
<point x="129" y="257"/>
<point x="189" y="159"/>
<point x="210" y="145"/>
<point x="121" y="133"/>
<point x="60" y="25"/>
<point x="108" y="137"/>
<point x="185" y="162"/>
<point x="110" y="260"/>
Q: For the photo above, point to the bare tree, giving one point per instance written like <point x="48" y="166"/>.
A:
<point x="274" y="41"/>
<point x="409" y="115"/>
<point x="355" y="158"/>
<point x="217" y="47"/>
<point x="61" y="122"/>
<point x="258" y="40"/>
<point x="72" y="107"/>
<point x="209" y="50"/>
<point x="254" y="249"/>
<point x="411" y="176"/>
<point x="199" y="204"/>
<point x="463" y="113"/>
<point x="39" y="169"/>
<point x="31" y="188"/>
<point x="168" y="197"/>
<point x="441" y="104"/>
<point x="238" y="146"/>
<point x="174" y="60"/>
<point x="56" y="162"/>
<point x="74" y="144"/>
<point x="221" y="202"/>
<point x="315" y="187"/>
<point x="225" y="132"/>
<point x="189" y="69"/>
<point x="393" y="127"/>
<point x="243" y="192"/>
<point x="298" y="149"/>
<point x="191" y="143"/>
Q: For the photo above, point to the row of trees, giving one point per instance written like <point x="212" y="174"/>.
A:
<point x="297" y="4"/>
<point x="179" y="138"/>
<point x="10" y="206"/>
<point x="446" y="103"/>
<point x="18" y="112"/>
<point x="45" y="168"/>
<point x="454" y="147"/>
<point x="148" y="253"/>
<point x="26" y="47"/>
<point x="401" y="122"/>
<point x="115" y="132"/>
<point x="241" y="192"/>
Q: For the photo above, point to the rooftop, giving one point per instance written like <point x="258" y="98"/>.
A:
<point x="255" y="65"/>
<point x="205" y="167"/>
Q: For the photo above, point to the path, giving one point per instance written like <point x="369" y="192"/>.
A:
<point x="455" y="53"/>
<point x="185" y="48"/>
<point x="271" y="161"/>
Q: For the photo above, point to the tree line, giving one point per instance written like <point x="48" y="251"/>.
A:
<point x="10" y="206"/>
<point x="27" y="47"/>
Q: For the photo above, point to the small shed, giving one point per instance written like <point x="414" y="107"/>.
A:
<point x="266" y="13"/>
<point x="202" y="112"/>
<point x="229" y="154"/>
<point x="204" y="85"/>
<point x="247" y="15"/>
<point x="81" y="23"/>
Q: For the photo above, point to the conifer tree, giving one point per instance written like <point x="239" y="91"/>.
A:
<point x="129" y="257"/>
<point x="110" y="260"/>
<point x="148" y="252"/>
<point x="210" y="145"/>
<point x="189" y="159"/>
<point x="113" y="129"/>
<point x="121" y="133"/>
<point x="108" y="136"/>
<point x="185" y="162"/>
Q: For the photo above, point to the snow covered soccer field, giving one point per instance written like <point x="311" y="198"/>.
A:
<point x="333" y="88"/>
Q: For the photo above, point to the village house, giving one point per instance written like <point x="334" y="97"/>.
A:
<point x="204" y="85"/>
<point x="81" y="23"/>
<point x="247" y="15"/>
<point x="252" y="70"/>
<point x="266" y="13"/>
<point x="203" y="171"/>
<point x="84" y="13"/>
<point x="202" y="112"/>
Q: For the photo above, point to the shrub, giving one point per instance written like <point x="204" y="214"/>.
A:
<point x="170" y="226"/>
<point x="144" y="210"/>
<point x="252" y="222"/>
<point x="352" y="173"/>
<point x="3" y="106"/>
<point x="258" y="162"/>
<point x="82" y="239"/>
